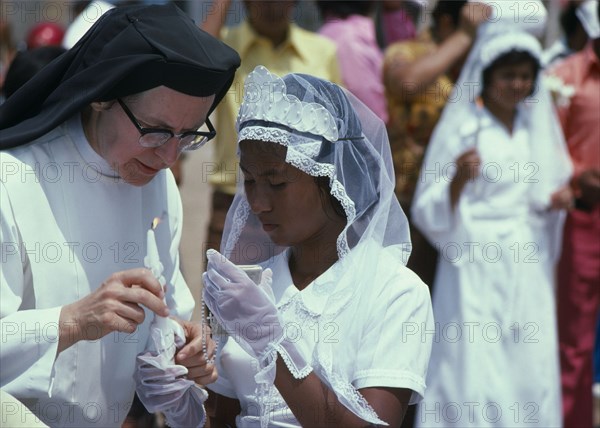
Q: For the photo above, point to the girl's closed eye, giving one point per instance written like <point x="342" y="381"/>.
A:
<point x="248" y="178"/>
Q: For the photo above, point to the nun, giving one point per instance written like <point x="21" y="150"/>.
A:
<point x="85" y="151"/>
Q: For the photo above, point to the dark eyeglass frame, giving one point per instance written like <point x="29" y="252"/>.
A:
<point x="194" y="144"/>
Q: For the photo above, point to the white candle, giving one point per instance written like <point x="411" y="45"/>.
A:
<point x="152" y="259"/>
<point x="152" y="262"/>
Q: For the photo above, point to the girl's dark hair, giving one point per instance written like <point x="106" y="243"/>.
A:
<point x="512" y="57"/>
<point x="343" y="9"/>
<point x="327" y="198"/>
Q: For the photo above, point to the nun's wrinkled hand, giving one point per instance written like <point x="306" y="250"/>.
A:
<point x="191" y="355"/>
<point x="246" y="311"/>
<point x="114" y="306"/>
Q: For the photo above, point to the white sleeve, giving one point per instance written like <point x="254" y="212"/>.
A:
<point x="29" y="337"/>
<point x="395" y="348"/>
<point x="179" y="297"/>
<point x="431" y="210"/>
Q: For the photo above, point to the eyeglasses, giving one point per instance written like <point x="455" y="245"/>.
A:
<point x="156" y="137"/>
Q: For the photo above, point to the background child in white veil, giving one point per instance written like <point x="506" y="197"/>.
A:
<point x="492" y="203"/>
<point x="318" y="210"/>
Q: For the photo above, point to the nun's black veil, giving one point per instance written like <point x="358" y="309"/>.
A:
<point x="129" y="50"/>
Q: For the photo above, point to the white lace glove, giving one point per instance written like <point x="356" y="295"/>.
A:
<point x="248" y="314"/>
<point x="161" y="384"/>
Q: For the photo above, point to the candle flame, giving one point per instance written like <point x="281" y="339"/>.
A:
<point x="157" y="220"/>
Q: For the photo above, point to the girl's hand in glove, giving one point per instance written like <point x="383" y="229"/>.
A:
<point x="246" y="311"/>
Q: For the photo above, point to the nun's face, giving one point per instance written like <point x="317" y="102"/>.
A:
<point x="286" y="200"/>
<point x="113" y="135"/>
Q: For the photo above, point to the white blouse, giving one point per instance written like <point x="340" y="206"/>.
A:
<point x="399" y="305"/>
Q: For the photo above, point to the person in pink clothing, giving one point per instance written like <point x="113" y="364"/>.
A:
<point x="579" y="268"/>
<point x="349" y="26"/>
<point x="399" y="20"/>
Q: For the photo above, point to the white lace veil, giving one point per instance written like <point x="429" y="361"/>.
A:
<point x="328" y="133"/>
<point x="512" y="26"/>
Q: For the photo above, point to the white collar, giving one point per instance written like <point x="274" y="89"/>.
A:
<point x="74" y="129"/>
<point x="314" y="296"/>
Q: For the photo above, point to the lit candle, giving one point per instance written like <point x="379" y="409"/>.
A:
<point x="152" y="262"/>
<point x="152" y="259"/>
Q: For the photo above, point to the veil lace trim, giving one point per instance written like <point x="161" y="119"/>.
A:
<point x="239" y="220"/>
<point x="266" y="98"/>
<point x="300" y="153"/>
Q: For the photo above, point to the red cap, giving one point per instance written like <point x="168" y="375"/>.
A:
<point x="45" y="34"/>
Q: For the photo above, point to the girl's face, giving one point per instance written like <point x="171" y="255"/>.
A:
<point x="287" y="201"/>
<point x="510" y="84"/>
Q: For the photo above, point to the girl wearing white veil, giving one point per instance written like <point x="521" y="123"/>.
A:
<point x="318" y="212"/>
<point x="490" y="198"/>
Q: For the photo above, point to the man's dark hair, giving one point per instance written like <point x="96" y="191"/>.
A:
<point x="343" y="9"/>
<point x="448" y="7"/>
<point x="568" y="19"/>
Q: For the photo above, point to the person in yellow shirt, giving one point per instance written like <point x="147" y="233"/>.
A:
<point x="266" y="37"/>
